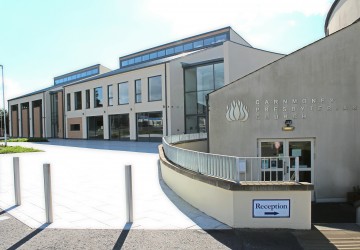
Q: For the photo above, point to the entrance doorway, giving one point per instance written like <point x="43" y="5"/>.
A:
<point x="302" y="148"/>
<point x="95" y="127"/>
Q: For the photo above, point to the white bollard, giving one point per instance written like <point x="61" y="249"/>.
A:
<point x="129" y="197"/>
<point x="297" y="169"/>
<point x="17" y="181"/>
<point x="48" y="195"/>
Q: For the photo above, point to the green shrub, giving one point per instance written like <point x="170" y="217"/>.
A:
<point x="26" y="140"/>
<point x="16" y="149"/>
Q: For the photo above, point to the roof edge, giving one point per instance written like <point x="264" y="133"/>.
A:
<point x="332" y="8"/>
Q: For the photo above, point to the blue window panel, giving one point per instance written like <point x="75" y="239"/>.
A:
<point x="95" y="71"/>
<point x="145" y="57"/>
<point x="220" y="38"/>
<point x="138" y="59"/>
<point x="170" y="51"/>
<point x="124" y="63"/>
<point x="188" y="46"/>
<point x="209" y="41"/>
<point x="179" y="49"/>
<point x="131" y="61"/>
<point x="198" y="44"/>
<point x="153" y="55"/>
<point x="161" y="53"/>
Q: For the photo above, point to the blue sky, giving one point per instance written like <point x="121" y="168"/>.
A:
<point x="43" y="39"/>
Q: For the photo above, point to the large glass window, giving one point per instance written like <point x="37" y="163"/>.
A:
<point x="199" y="82"/>
<point x="95" y="127"/>
<point x="155" y="89"/>
<point x="124" y="93"/>
<point x="149" y="126"/>
<point x="119" y="127"/>
<point x="87" y="93"/>
<point x="78" y="100"/>
<point x="68" y="102"/>
<point x="172" y="50"/>
<point x="98" y="97"/>
<point x="77" y="76"/>
<point x="137" y="91"/>
<point x="110" y="95"/>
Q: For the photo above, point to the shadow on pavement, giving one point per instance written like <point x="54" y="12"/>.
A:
<point x="122" y="237"/>
<point x="333" y="213"/>
<point x="28" y="237"/>
<point x="313" y="239"/>
<point x="7" y="210"/>
<point x="130" y="146"/>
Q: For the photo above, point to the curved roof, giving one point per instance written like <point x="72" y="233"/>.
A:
<point x="329" y="14"/>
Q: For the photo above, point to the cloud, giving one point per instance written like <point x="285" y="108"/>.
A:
<point x="187" y="16"/>
<point x="13" y="89"/>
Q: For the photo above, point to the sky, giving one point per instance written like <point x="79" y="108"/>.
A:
<point x="40" y="40"/>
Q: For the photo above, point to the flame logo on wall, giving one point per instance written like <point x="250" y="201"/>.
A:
<point x="237" y="111"/>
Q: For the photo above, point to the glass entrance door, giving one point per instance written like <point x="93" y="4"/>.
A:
<point x="302" y="148"/>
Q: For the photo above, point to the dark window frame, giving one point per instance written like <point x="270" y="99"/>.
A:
<point x="138" y="94"/>
<point x="149" y="88"/>
<point x="119" y="103"/>
<point x="87" y="98"/>
<point x="78" y="104"/>
<point x="101" y="104"/>
<point x="112" y="95"/>
<point x="68" y="102"/>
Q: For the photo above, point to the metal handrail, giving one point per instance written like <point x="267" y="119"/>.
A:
<point x="230" y="168"/>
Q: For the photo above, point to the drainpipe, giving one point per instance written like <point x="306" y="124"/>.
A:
<point x="166" y="107"/>
<point x="207" y="122"/>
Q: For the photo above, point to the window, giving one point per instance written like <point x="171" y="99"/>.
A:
<point x="161" y="53"/>
<point x="68" y="103"/>
<point x="198" y="44"/>
<point x="123" y="93"/>
<point x="179" y="49"/>
<point x="110" y="95"/>
<point x="119" y="127"/>
<point x="98" y="97"/>
<point x="209" y="41"/>
<point x="149" y="126"/>
<point x="95" y="128"/>
<point x="87" y="93"/>
<point x="170" y="51"/>
<point x="220" y="38"/>
<point x="145" y="57"/>
<point x="74" y="127"/>
<point x="137" y="59"/>
<point x="78" y="104"/>
<point x="188" y="46"/>
<point x="200" y="81"/>
<point x="137" y="91"/>
<point x="76" y="76"/>
<point x="155" y="88"/>
<point x="124" y="63"/>
<point x="153" y="55"/>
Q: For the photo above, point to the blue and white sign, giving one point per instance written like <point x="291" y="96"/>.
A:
<point x="271" y="208"/>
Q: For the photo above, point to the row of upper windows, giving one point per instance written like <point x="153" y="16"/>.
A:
<point x="154" y="94"/>
<point x="77" y="76"/>
<point x="208" y="41"/>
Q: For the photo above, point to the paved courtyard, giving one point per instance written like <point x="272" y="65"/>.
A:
<point x="88" y="187"/>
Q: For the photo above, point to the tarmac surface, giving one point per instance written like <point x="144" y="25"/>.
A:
<point x="162" y="219"/>
<point x="16" y="235"/>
